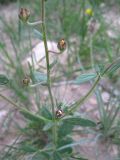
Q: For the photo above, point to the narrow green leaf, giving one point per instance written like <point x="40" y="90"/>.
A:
<point x="79" y="121"/>
<point x="85" y="78"/>
<point x="48" y="126"/>
<point x="38" y="34"/>
<point x="65" y="141"/>
<point x="27" y="148"/>
<point x="41" y="156"/>
<point x="80" y="158"/>
<point x="38" y="77"/>
<point x="33" y="117"/>
<point x="45" y="112"/>
<point x="3" y="79"/>
<point x="56" y="156"/>
<point x="64" y="129"/>
<point x="113" y="67"/>
<point x="80" y="142"/>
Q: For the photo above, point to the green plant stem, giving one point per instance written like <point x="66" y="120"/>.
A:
<point x="79" y="102"/>
<point x="10" y="101"/>
<point x="91" y="51"/>
<point x="22" y="109"/>
<point x="109" y="66"/>
<point x="48" y="71"/>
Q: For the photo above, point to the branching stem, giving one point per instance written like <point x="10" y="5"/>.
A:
<point x="48" y="71"/>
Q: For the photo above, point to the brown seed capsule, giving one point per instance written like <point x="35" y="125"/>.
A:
<point x="24" y="14"/>
<point x="59" y="113"/>
<point x="26" y="81"/>
<point x="61" y="45"/>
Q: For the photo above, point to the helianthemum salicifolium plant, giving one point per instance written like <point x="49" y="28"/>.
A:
<point x="48" y="132"/>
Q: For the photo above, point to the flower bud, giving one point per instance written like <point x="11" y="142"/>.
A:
<point x="59" y="113"/>
<point x="26" y="81"/>
<point x="61" y="45"/>
<point x="24" y="14"/>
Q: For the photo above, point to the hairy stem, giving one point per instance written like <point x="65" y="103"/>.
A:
<point x="79" y="102"/>
<point x="75" y="105"/>
<point x="48" y="70"/>
<point x="10" y="101"/>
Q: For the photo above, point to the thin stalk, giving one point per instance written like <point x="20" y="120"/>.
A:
<point x="48" y="71"/>
<point x="10" y="101"/>
<point x="22" y="109"/>
<point x="79" y="102"/>
<point x="75" y="105"/>
<point x="91" y="52"/>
